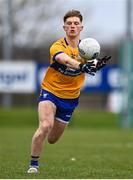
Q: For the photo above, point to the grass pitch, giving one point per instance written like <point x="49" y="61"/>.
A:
<point x="86" y="150"/>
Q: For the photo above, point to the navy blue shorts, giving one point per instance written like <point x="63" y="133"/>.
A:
<point x="65" y="107"/>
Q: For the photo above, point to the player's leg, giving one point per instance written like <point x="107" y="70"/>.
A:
<point x="62" y="119"/>
<point x="46" y="111"/>
<point x="57" y="131"/>
<point x="64" y="111"/>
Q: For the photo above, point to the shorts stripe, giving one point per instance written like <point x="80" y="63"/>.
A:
<point x="61" y="120"/>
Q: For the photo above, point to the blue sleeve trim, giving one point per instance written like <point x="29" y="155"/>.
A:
<point x="56" y="55"/>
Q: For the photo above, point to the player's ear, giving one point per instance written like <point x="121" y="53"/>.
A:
<point x="64" y="27"/>
<point x="81" y="28"/>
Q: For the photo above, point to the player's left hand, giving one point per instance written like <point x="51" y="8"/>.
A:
<point x="102" y="62"/>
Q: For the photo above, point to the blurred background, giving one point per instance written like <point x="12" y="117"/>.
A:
<point x="27" y="30"/>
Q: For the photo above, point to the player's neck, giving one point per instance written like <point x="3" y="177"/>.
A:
<point x="73" y="41"/>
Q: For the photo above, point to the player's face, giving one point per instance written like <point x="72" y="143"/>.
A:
<point x="73" y="26"/>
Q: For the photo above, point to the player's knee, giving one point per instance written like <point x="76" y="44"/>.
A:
<point x="42" y="131"/>
<point x="52" y="140"/>
<point x="46" y="126"/>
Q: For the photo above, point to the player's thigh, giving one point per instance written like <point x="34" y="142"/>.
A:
<point x="56" y="131"/>
<point x="46" y="112"/>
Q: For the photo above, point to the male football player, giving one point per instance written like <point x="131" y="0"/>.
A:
<point x="61" y="86"/>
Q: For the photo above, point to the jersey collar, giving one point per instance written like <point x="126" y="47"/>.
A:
<point x="68" y="43"/>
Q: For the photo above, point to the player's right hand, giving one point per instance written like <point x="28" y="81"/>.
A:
<point x="88" y="67"/>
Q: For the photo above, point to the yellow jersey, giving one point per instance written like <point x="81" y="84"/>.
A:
<point x="60" y="80"/>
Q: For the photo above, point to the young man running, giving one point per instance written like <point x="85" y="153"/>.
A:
<point x="61" y="86"/>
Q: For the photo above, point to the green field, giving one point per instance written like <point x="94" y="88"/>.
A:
<point x="102" y="150"/>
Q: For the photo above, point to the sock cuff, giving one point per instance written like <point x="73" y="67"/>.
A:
<point x="34" y="157"/>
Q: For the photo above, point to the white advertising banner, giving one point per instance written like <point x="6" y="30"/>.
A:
<point x="17" y="77"/>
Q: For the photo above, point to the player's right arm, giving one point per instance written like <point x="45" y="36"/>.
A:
<point x="58" y="55"/>
<point x="66" y="60"/>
